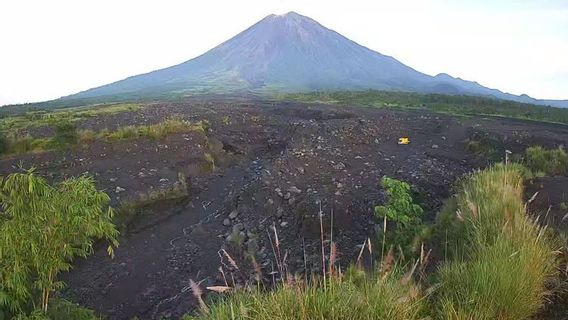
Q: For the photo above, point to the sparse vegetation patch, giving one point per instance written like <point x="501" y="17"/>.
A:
<point x="33" y="119"/>
<point x="155" y="131"/>
<point x="450" y="104"/>
<point x="547" y="162"/>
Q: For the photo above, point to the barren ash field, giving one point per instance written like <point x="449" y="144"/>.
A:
<point x="257" y="165"/>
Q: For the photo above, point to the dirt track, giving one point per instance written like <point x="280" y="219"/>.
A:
<point x="278" y="163"/>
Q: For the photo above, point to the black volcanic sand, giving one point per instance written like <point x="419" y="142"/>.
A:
<point x="276" y="163"/>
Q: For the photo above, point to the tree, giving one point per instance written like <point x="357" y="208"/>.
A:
<point x="400" y="209"/>
<point x="42" y="229"/>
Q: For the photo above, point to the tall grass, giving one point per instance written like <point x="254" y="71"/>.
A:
<point x="501" y="259"/>
<point x="14" y="144"/>
<point x="349" y="297"/>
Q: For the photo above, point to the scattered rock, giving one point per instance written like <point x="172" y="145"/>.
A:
<point x="233" y="215"/>
<point x="284" y="224"/>
<point x="294" y="189"/>
<point x="119" y="189"/>
<point x="435" y="146"/>
<point x="252" y="246"/>
<point x="226" y="222"/>
<point x="238" y="227"/>
<point x="339" y="166"/>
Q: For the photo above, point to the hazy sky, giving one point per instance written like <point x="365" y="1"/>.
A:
<point x="53" y="48"/>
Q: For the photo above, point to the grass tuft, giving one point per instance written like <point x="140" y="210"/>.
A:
<point x="501" y="259"/>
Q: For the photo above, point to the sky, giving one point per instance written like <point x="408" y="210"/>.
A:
<point x="50" y="49"/>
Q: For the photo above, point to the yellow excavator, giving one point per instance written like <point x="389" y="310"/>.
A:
<point x="403" y="140"/>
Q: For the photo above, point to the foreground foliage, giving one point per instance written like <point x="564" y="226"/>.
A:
<point x="356" y="295"/>
<point x="500" y="259"/>
<point x="498" y="267"/>
<point x="43" y="228"/>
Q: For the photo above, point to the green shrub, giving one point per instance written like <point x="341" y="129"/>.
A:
<point x="548" y="162"/>
<point x="400" y="209"/>
<point x="65" y="133"/>
<point x="42" y="229"/>
<point x="86" y="136"/>
<point x="482" y="147"/>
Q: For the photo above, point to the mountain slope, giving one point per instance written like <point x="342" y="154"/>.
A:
<point x="290" y="52"/>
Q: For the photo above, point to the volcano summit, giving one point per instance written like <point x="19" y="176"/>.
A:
<point x="287" y="53"/>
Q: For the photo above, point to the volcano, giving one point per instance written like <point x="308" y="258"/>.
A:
<point x="290" y="53"/>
